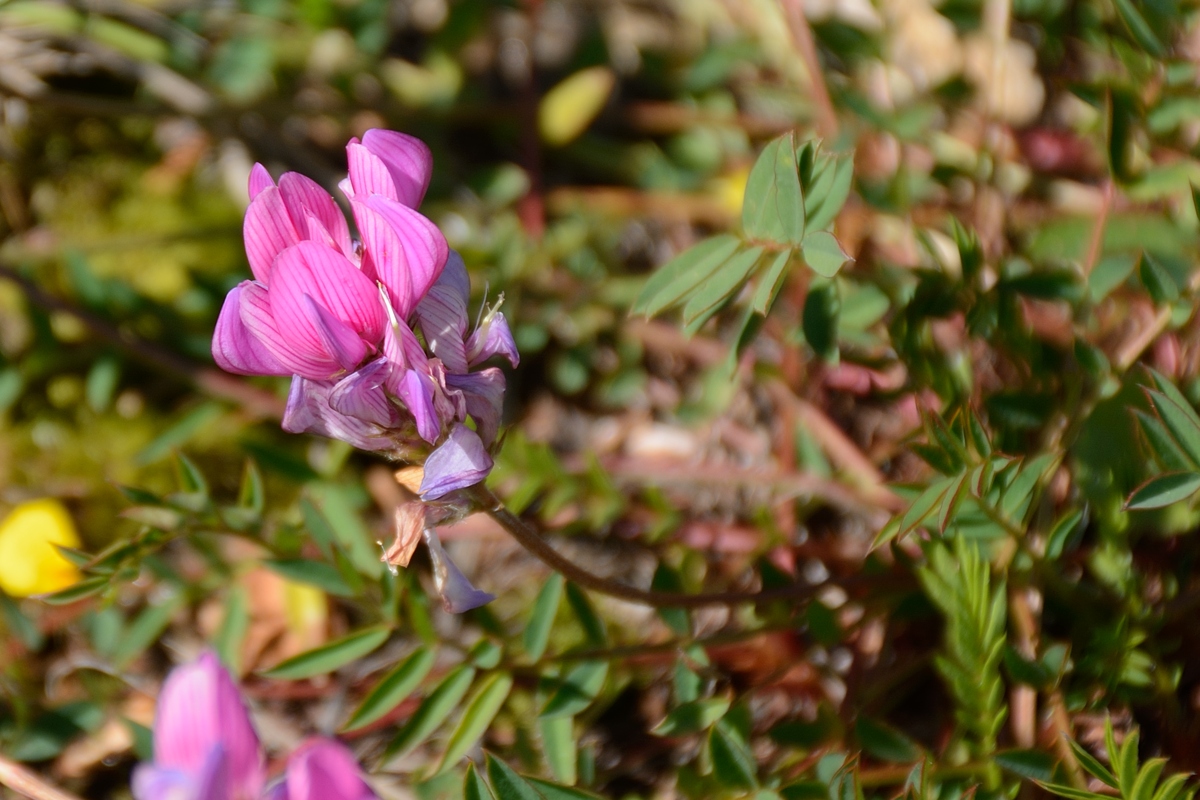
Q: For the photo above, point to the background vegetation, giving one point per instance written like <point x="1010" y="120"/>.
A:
<point x="965" y="455"/>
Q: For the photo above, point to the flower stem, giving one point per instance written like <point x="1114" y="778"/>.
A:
<point x="532" y="541"/>
<point x="27" y="783"/>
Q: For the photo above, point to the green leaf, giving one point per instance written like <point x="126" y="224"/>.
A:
<point x="331" y="656"/>
<point x="145" y="630"/>
<point x="925" y="504"/>
<point x="1162" y="444"/>
<point x="884" y="742"/>
<point x="593" y="626"/>
<point x="474" y="787"/>
<point x="1163" y="490"/>
<point x="825" y="192"/>
<point x="1158" y="282"/>
<point x="314" y="573"/>
<point x="553" y="791"/>
<point x="1033" y="765"/>
<point x="1141" y="31"/>
<point x="823" y="253"/>
<point x="318" y="527"/>
<point x="719" y="287"/>
<point x="251" y="494"/>
<point x="432" y="712"/>
<point x="1093" y="766"/>
<point x="479" y="713"/>
<point x="819" y="323"/>
<point x="20" y="625"/>
<point x="1172" y="786"/>
<point x="1071" y="792"/>
<point x="508" y="785"/>
<point x="102" y="380"/>
<point x="1147" y="779"/>
<point x="1062" y="532"/>
<point x="577" y="689"/>
<point x="392" y="690"/>
<point x="228" y="641"/>
<point x="541" y="617"/>
<point x="773" y="205"/>
<point x="770" y="282"/>
<point x="1122" y="117"/>
<point x="558" y="743"/>
<point x="693" y="717"/>
<point x="1179" y="417"/>
<point x="80" y="591"/>
<point x="1125" y="766"/>
<point x="733" y="763"/>
<point x="681" y="275"/>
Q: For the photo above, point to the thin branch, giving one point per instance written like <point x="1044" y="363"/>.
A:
<point x="827" y="123"/>
<point x="29" y="784"/>
<point x="256" y="402"/>
<point x="532" y="541"/>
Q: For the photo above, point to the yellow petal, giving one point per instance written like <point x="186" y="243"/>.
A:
<point x="29" y="562"/>
<point x="570" y="107"/>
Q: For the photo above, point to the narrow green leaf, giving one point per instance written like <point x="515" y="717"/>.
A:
<point x="392" y="690"/>
<point x="231" y="634"/>
<point x="1126" y="765"/>
<point x="681" y="275"/>
<point x="1163" y="490"/>
<point x="432" y="712"/>
<point x="20" y="625"/>
<point x="145" y="630"/>
<point x="577" y="689"/>
<point x="474" y="787"/>
<point x="1141" y="31"/>
<point x="558" y="743"/>
<point x="823" y="253"/>
<point x="1061" y="533"/>
<point x="693" y="717"/>
<point x="314" y="573"/>
<point x="1162" y="444"/>
<point x="1158" y="282"/>
<point x="820" y="320"/>
<point x="1147" y="779"/>
<point x="73" y="594"/>
<point x="884" y="742"/>
<point x="506" y="783"/>
<point x="825" y="195"/>
<point x="770" y="282"/>
<point x="251" y="495"/>
<point x="479" y="713"/>
<point x="318" y="527"/>
<point x="1070" y="792"/>
<point x="593" y="626"/>
<point x="733" y="764"/>
<point x="922" y="508"/>
<point x="720" y="286"/>
<point x="1180" y="420"/>
<point x="1172" y="786"/>
<point x="1033" y="765"/>
<point x="553" y="791"/>
<point x="773" y="205"/>
<point x="331" y="656"/>
<point x="541" y="617"/>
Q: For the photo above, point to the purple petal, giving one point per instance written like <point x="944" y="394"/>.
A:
<point x="323" y="769"/>
<point x="151" y="782"/>
<point x="199" y="710"/>
<point x="484" y="394"/>
<point x="259" y="321"/>
<point x="403" y="351"/>
<point x="443" y="314"/>
<point x="408" y="161"/>
<point x="361" y="395"/>
<point x="492" y="338"/>
<point x="423" y="252"/>
<point x="340" y="340"/>
<point x="417" y="391"/>
<point x="308" y="411"/>
<point x="459" y="462"/>
<point x="234" y="347"/>
<point x="268" y="231"/>
<point x="259" y="179"/>
<point x="303" y="197"/>
<point x="335" y="285"/>
<point x="458" y="594"/>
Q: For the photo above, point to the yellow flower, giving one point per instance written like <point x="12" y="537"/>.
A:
<point x="29" y="562"/>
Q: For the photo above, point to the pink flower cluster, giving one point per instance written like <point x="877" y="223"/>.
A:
<point x="339" y="314"/>
<point x="205" y="748"/>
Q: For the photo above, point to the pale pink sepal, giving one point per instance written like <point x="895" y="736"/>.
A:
<point x="458" y="594"/>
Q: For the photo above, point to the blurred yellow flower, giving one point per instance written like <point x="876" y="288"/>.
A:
<point x="569" y="108"/>
<point x="29" y="562"/>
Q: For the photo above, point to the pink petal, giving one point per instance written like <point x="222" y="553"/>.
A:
<point x="458" y="593"/>
<point x="259" y="320"/>
<point x="383" y="257"/>
<point x="361" y="395"/>
<point x="199" y="710"/>
<point x="234" y="347"/>
<point x="408" y="161"/>
<point x="303" y="196"/>
<point x="368" y="174"/>
<point x="259" y="179"/>
<point x="336" y="285"/>
<point x="339" y="339"/>
<point x="268" y="231"/>
<point x="323" y="769"/>
<point x="424" y="247"/>
<point x="443" y="314"/>
<point x="459" y="462"/>
<point x="403" y="351"/>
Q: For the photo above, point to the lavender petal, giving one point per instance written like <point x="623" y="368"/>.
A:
<point x="458" y="593"/>
<point x="459" y="462"/>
